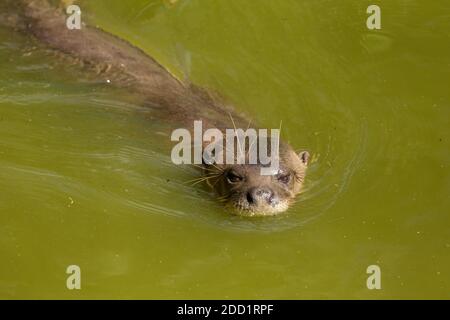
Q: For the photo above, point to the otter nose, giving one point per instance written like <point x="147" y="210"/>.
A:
<point x="259" y="196"/>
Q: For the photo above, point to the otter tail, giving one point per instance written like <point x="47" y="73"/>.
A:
<point x="112" y="58"/>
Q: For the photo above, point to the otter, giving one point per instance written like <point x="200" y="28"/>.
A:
<point x="240" y="187"/>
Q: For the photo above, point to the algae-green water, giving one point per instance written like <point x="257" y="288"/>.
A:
<point x="86" y="177"/>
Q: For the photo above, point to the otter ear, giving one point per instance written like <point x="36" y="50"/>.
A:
<point x="304" y="157"/>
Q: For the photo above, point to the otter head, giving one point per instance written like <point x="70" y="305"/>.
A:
<point x="246" y="191"/>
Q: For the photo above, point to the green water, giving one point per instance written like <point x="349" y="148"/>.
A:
<point x="86" y="176"/>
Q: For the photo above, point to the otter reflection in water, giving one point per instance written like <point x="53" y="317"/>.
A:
<point x="115" y="62"/>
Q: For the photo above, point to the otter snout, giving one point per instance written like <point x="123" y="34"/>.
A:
<point x="247" y="192"/>
<point x="261" y="197"/>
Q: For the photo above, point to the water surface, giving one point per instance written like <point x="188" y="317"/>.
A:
<point x="86" y="176"/>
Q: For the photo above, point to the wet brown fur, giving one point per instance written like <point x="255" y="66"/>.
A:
<point x="117" y="62"/>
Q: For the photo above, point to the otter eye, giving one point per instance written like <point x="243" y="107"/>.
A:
<point x="284" y="178"/>
<point x="233" y="177"/>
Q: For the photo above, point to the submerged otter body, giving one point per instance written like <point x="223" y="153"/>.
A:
<point x="118" y="63"/>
